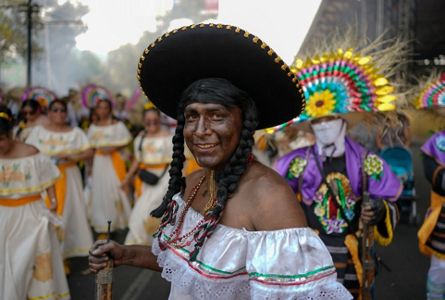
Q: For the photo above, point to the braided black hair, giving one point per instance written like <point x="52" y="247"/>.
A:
<point x="219" y="91"/>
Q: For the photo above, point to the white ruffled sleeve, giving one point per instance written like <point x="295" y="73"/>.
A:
<point x="291" y="264"/>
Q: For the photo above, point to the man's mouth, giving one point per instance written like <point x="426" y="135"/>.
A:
<point x="205" y="146"/>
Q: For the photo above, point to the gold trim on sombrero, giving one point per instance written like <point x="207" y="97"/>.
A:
<point x="253" y="38"/>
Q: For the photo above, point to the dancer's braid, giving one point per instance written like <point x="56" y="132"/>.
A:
<point x="228" y="179"/>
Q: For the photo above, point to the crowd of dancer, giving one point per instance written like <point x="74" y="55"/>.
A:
<point x="69" y="165"/>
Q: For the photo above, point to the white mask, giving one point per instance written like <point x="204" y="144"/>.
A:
<point x="330" y="137"/>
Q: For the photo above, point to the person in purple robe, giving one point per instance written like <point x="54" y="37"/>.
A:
<point x="432" y="233"/>
<point x="327" y="179"/>
<point x="330" y="177"/>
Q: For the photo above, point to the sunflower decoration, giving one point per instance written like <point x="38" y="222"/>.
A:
<point x="433" y="92"/>
<point x="340" y="82"/>
<point x="338" y="79"/>
<point x="40" y="94"/>
<point x="92" y="93"/>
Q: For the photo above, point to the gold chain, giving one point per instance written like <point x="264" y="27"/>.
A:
<point x="212" y="192"/>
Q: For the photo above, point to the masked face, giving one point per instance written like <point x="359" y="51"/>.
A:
<point x="328" y="132"/>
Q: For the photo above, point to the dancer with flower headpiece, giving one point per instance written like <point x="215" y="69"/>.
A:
<point x="336" y="176"/>
<point x="232" y="229"/>
<point x="431" y="238"/>
<point x="152" y="151"/>
<point x="34" y="105"/>
<point x="108" y="137"/>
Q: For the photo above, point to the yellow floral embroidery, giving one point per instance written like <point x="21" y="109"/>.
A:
<point x="43" y="269"/>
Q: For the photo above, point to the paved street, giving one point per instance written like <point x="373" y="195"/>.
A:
<point x="406" y="281"/>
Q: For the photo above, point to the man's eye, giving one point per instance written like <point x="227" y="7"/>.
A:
<point x="217" y="117"/>
<point x="191" y="118"/>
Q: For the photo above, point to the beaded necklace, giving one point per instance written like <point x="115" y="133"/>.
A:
<point x="182" y="241"/>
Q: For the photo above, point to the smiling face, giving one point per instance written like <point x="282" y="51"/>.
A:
<point x="212" y="132"/>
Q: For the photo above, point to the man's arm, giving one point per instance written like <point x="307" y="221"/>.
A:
<point x="134" y="255"/>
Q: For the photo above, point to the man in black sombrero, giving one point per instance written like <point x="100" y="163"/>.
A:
<point x="231" y="230"/>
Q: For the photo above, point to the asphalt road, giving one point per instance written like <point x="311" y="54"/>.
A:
<point x="405" y="281"/>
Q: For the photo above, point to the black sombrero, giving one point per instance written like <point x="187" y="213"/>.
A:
<point x="178" y="58"/>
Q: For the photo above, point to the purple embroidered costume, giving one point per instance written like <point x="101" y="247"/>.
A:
<point x="337" y="218"/>
<point x="431" y="240"/>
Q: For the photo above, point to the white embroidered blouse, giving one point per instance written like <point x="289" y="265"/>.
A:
<point x="239" y="264"/>
<point x="30" y="175"/>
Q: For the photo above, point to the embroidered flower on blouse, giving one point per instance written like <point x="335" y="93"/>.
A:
<point x="296" y="167"/>
<point x="373" y="166"/>
<point x="440" y="143"/>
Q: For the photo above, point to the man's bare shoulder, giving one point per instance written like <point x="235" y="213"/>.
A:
<point x="273" y="201"/>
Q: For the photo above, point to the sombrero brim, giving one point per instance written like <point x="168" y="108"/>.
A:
<point x="178" y="58"/>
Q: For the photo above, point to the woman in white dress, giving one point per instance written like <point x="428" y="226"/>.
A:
<point x="108" y="201"/>
<point x="66" y="146"/>
<point x="152" y="153"/>
<point x="30" y="255"/>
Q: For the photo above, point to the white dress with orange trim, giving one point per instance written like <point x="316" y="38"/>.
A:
<point x="77" y="236"/>
<point x="154" y="155"/>
<point x="108" y="200"/>
<point x="30" y="255"/>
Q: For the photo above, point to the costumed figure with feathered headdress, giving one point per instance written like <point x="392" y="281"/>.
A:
<point x="333" y="177"/>
<point x="431" y="234"/>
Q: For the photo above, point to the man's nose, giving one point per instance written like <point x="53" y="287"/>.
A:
<point x="202" y="127"/>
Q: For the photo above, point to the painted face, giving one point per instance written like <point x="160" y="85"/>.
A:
<point x="152" y="122"/>
<point x="212" y="132"/>
<point x="57" y="114"/>
<point x="103" y="110"/>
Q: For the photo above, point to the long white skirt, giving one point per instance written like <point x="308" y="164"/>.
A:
<point x="31" y="265"/>
<point x="78" y="237"/>
<point x="108" y="201"/>
<point x="141" y="224"/>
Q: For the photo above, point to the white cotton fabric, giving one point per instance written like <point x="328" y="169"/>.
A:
<point x="233" y="263"/>
<point x="108" y="201"/>
<point x="26" y="176"/>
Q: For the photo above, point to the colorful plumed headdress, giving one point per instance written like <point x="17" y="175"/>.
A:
<point x="180" y="57"/>
<point x="432" y="92"/>
<point x="92" y="93"/>
<point x="337" y="79"/>
<point x="40" y="94"/>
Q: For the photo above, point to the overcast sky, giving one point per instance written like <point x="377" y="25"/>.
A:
<point x="283" y="24"/>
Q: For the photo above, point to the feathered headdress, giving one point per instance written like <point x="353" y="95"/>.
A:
<point x="431" y="92"/>
<point x="92" y="93"/>
<point x="40" y="94"/>
<point x="338" y="79"/>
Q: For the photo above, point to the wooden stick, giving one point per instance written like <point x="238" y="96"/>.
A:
<point x="104" y="278"/>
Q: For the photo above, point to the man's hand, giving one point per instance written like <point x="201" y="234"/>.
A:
<point x="373" y="213"/>
<point x="101" y="252"/>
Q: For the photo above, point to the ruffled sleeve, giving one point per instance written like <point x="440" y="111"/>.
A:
<point x="291" y="264"/>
